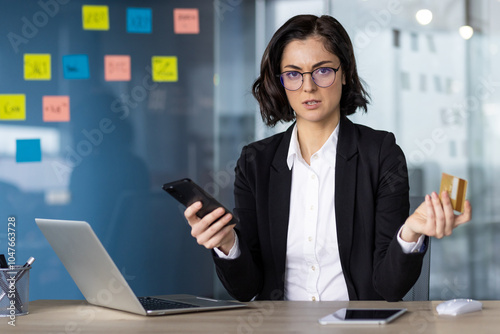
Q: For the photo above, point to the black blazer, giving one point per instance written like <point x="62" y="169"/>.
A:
<point x="371" y="203"/>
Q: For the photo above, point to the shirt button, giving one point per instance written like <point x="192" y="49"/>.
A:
<point x="312" y="207"/>
<point x="313" y="177"/>
<point x="313" y="268"/>
<point x="315" y="157"/>
<point x="313" y="298"/>
<point x="310" y="239"/>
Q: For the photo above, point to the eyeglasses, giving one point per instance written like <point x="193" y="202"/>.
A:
<point x="322" y="77"/>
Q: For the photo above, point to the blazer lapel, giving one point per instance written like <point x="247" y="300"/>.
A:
<point x="345" y="192"/>
<point x="280" y="185"/>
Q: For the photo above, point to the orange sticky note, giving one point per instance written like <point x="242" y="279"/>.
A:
<point x="56" y="108"/>
<point x="117" y="68"/>
<point x="13" y="107"/>
<point x="186" y="21"/>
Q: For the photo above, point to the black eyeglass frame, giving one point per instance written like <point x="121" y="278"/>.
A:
<point x="302" y="75"/>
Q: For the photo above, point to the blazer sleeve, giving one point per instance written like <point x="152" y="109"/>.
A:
<point x="395" y="272"/>
<point x="243" y="277"/>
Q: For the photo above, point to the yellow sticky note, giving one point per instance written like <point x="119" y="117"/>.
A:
<point x="13" y="107"/>
<point x="37" y="66"/>
<point x="164" y="68"/>
<point x="95" y="17"/>
<point x="456" y="189"/>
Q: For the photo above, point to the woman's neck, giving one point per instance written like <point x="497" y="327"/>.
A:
<point x="312" y="136"/>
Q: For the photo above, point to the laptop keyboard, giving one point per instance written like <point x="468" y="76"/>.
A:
<point x="153" y="304"/>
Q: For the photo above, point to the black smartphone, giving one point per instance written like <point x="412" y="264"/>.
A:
<point x="187" y="192"/>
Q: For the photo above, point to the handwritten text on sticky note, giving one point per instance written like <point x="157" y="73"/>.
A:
<point x="76" y="67"/>
<point x="56" y="109"/>
<point x="139" y="20"/>
<point x="37" y="66"/>
<point x="117" y="68"/>
<point x="186" y="21"/>
<point x="13" y="107"/>
<point x="164" y="68"/>
<point x="95" y="17"/>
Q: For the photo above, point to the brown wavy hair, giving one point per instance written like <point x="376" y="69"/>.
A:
<point x="269" y="92"/>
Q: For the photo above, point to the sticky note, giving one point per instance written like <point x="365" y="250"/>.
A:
<point x="186" y="21"/>
<point x="76" y="67"/>
<point x="456" y="189"/>
<point x="139" y="20"/>
<point x="117" y="68"/>
<point x="164" y="68"/>
<point x="13" y="107"/>
<point x="37" y="66"/>
<point x="56" y="108"/>
<point x="28" y="150"/>
<point x="95" y="17"/>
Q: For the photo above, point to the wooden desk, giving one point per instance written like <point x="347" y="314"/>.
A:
<point x="73" y="316"/>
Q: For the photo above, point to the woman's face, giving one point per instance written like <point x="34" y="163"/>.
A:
<point x="310" y="102"/>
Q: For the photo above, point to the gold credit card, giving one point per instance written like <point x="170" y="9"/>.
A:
<point x="456" y="188"/>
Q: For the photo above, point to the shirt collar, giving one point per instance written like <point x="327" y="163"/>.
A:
<point x="328" y="151"/>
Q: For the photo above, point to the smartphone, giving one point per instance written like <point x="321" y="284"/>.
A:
<point x="356" y="316"/>
<point x="187" y="192"/>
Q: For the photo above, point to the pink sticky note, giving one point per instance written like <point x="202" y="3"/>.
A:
<point x="186" y="21"/>
<point x="56" y="108"/>
<point x="117" y="68"/>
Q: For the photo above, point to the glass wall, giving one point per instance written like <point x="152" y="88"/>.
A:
<point x="103" y="153"/>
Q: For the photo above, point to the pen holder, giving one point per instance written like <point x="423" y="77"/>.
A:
<point x="14" y="291"/>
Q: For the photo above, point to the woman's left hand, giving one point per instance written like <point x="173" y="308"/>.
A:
<point x="434" y="218"/>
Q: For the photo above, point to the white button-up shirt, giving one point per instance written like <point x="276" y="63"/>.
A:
<point x="313" y="270"/>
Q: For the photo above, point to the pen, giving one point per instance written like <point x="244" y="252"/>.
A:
<point x="17" y="278"/>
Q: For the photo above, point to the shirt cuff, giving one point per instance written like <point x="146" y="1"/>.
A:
<point x="411" y="247"/>
<point x="234" y="252"/>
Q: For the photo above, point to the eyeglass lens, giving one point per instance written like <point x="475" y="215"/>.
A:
<point x="323" y="77"/>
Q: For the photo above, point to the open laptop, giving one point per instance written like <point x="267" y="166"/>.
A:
<point x="100" y="281"/>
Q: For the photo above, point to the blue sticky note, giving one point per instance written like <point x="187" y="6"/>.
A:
<point x="28" y="150"/>
<point x="139" y="20"/>
<point x="76" y="67"/>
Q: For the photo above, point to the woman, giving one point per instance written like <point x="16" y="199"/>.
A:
<point x="323" y="207"/>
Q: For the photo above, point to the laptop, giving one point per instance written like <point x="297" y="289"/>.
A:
<point x="99" y="279"/>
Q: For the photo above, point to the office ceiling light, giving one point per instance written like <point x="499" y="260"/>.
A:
<point x="466" y="31"/>
<point x="424" y="16"/>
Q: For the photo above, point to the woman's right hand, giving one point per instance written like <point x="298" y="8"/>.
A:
<point x="211" y="231"/>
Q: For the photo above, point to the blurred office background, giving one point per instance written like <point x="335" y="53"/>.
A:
<point x="432" y="69"/>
